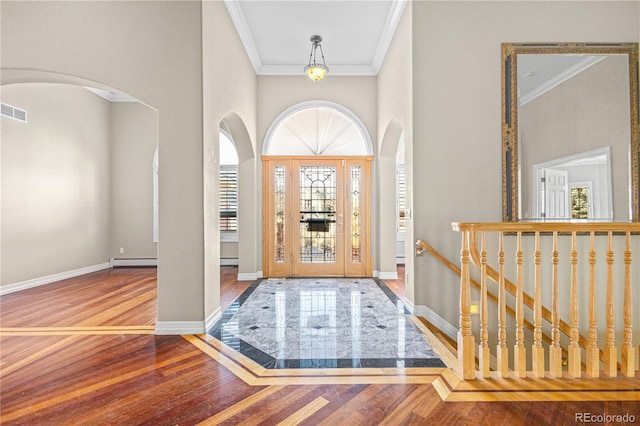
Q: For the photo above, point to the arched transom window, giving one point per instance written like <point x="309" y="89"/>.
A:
<point x="317" y="128"/>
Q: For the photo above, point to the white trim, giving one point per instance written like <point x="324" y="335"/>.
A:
<point x="248" y="276"/>
<point x="408" y="304"/>
<point x="400" y="260"/>
<point x="437" y="321"/>
<point x="113" y="262"/>
<point x="538" y="168"/>
<point x="228" y="261"/>
<point x="336" y="70"/>
<point x="376" y="274"/>
<point x="213" y="319"/>
<point x="48" y="279"/>
<point x="557" y="80"/>
<point x="259" y="274"/>
<point x="390" y="26"/>
<point x="155" y="168"/>
<point x="237" y="16"/>
<point x="386" y="36"/>
<point x="388" y="275"/>
<point x="180" y="327"/>
<point x="317" y="104"/>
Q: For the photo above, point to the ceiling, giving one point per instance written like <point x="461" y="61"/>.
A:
<point x="539" y="73"/>
<point x="356" y="34"/>
<point x="275" y="34"/>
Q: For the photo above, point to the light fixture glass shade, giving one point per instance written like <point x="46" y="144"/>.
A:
<point x="316" y="72"/>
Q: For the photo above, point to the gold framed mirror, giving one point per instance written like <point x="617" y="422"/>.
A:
<point x="570" y="132"/>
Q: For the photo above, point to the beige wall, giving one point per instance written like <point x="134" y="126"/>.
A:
<point x="358" y="94"/>
<point x="229" y="95"/>
<point x="395" y="118"/>
<point x="153" y="52"/>
<point x="133" y="134"/>
<point x="456" y="108"/>
<point x="55" y="181"/>
<point x="590" y="111"/>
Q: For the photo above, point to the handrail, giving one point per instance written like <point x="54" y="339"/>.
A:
<point x="436" y="254"/>
<point x="546" y="226"/>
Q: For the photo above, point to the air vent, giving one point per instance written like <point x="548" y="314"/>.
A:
<point x="13" y="112"/>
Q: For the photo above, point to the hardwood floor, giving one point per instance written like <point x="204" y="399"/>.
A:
<point x="80" y="352"/>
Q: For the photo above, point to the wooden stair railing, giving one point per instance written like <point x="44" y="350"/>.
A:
<point x="528" y="300"/>
<point x="422" y="245"/>
<point x="466" y="340"/>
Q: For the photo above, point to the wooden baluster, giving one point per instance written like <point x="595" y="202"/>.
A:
<point x="502" y="350"/>
<point x="537" y="351"/>
<point x="593" y="352"/>
<point x="466" y="341"/>
<point x="574" y="348"/>
<point x="484" y="354"/>
<point x="628" y="351"/>
<point x="555" y="351"/>
<point x="610" y="350"/>
<point x="519" y="351"/>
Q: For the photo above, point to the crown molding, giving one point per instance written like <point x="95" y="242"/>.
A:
<point x="391" y="24"/>
<point x="393" y="19"/>
<point x="237" y="17"/>
<point x="571" y="72"/>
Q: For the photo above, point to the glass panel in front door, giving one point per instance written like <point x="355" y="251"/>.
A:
<point x="318" y="231"/>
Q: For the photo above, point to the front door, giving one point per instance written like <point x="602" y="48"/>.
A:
<point x="318" y="202"/>
<point x="316" y="218"/>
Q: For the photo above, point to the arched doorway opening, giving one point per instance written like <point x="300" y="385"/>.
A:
<point x="70" y="194"/>
<point x="316" y="193"/>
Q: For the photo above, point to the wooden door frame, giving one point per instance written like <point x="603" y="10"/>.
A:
<point x="271" y="268"/>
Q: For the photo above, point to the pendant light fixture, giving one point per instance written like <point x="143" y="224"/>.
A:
<point x="315" y="70"/>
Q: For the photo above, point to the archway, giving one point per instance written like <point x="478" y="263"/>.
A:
<point x="80" y="195"/>
<point x="247" y="195"/>
<point x="387" y="208"/>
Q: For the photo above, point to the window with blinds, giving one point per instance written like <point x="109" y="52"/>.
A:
<point x="228" y="199"/>
<point x="400" y="197"/>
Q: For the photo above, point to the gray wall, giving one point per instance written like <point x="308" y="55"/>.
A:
<point x="456" y="108"/>
<point x="55" y="181"/>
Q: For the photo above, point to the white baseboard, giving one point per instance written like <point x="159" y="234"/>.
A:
<point x="213" y="319"/>
<point x="36" y="282"/>
<point x="400" y="260"/>
<point x="436" y="320"/>
<point x="259" y="274"/>
<point x="180" y="327"/>
<point x="133" y="262"/>
<point x="409" y="305"/>
<point x="229" y="261"/>
<point x="388" y="275"/>
<point x="247" y="276"/>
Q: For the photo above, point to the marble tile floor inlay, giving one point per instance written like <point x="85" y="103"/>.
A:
<point x="323" y="323"/>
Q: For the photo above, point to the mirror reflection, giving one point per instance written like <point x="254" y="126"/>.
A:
<point x="568" y="133"/>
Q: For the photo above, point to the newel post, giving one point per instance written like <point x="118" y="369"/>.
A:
<point x="466" y="341"/>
